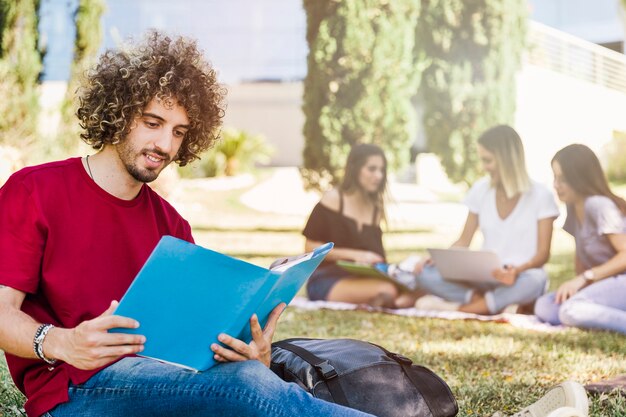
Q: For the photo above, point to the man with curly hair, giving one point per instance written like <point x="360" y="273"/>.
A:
<point x="74" y="234"/>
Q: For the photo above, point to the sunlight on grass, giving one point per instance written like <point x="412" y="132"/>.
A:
<point x="490" y="345"/>
<point x="489" y="366"/>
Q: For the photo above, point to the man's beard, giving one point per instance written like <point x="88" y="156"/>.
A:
<point x="128" y="155"/>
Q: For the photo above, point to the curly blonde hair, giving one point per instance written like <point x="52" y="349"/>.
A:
<point x="123" y="82"/>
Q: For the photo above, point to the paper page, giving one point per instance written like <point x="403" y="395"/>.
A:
<point x="283" y="264"/>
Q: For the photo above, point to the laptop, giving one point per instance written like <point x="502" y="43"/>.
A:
<point x="465" y="265"/>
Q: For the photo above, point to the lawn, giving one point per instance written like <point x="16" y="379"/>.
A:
<point x="489" y="366"/>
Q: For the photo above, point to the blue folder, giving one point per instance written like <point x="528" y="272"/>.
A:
<point x="185" y="295"/>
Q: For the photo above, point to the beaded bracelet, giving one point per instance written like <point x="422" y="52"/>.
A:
<point x="40" y="336"/>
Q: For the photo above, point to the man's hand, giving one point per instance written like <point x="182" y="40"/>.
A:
<point x="260" y="348"/>
<point x="506" y="275"/>
<point x="569" y="288"/>
<point x="89" y="345"/>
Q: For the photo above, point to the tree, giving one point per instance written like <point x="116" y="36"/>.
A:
<point x="474" y="48"/>
<point x="362" y="74"/>
<point x="20" y="66"/>
<point x="87" y="19"/>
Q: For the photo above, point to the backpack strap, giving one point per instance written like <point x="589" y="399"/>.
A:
<point x="427" y="383"/>
<point x="325" y="369"/>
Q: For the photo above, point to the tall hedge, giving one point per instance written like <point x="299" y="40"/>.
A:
<point x="361" y="77"/>
<point x="474" y="48"/>
<point x="87" y="19"/>
<point x="20" y="66"/>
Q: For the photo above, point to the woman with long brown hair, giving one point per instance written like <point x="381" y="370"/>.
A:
<point x="596" y="217"/>
<point x="350" y="216"/>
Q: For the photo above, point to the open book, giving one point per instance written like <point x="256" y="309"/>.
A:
<point x="400" y="275"/>
<point x="185" y="295"/>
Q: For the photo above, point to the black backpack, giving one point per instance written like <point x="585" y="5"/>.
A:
<point x="363" y="376"/>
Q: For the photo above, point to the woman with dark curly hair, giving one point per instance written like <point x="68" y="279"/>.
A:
<point x="76" y="232"/>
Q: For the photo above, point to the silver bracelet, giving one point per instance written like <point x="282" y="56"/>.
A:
<point x="40" y="336"/>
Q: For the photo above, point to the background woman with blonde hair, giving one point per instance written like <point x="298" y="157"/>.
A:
<point x="596" y="217"/>
<point x="515" y="215"/>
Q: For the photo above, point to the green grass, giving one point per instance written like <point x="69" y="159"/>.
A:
<point x="11" y="399"/>
<point x="489" y="366"/>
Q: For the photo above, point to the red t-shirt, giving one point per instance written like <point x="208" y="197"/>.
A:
<point x="72" y="248"/>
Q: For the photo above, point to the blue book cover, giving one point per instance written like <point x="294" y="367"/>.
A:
<point x="185" y="295"/>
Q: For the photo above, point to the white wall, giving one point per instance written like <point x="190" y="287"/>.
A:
<point x="555" y="110"/>
<point x="273" y="110"/>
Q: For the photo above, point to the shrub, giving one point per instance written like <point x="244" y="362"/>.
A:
<point x="210" y="164"/>
<point x="236" y="151"/>
<point x="242" y="150"/>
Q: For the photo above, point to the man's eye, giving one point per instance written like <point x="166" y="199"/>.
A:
<point x="179" y="133"/>
<point x="151" y="124"/>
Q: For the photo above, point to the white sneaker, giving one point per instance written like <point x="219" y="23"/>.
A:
<point x="568" y="399"/>
<point x="559" y="412"/>
<point x="432" y="302"/>
<point x="567" y="412"/>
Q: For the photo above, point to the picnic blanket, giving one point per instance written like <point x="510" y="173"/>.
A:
<point x="517" y="320"/>
<point x="607" y="386"/>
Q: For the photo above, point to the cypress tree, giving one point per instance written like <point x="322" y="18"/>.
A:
<point x="20" y="66"/>
<point x="87" y="19"/>
<point x="474" y="48"/>
<point x="360" y="81"/>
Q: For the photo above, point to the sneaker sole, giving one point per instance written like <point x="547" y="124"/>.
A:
<point x="567" y="412"/>
<point x="568" y="394"/>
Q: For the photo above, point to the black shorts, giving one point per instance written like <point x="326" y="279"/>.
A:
<point x="323" y="280"/>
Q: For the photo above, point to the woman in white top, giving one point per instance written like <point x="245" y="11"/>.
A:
<point x="515" y="216"/>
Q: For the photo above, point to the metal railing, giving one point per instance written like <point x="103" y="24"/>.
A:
<point x="566" y="54"/>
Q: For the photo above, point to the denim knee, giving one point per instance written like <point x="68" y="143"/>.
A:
<point x="547" y="310"/>
<point x="251" y="374"/>
<point x="539" y="281"/>
<point x="429" y="274"/>
<point x="572" y="313"/>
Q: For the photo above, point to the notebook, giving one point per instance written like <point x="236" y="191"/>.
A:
<point x="185" y="295"/>
<point x="405" y="281"/>
<point x="465" y="265"/>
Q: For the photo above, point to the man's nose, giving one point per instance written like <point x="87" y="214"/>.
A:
<point x="164" y="142"/>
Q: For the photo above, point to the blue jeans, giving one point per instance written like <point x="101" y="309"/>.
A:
<point x="601" y="305"/>
<point x="144" y="387"/>
<point x="528" y="286"/>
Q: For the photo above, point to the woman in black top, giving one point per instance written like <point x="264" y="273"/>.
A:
<point x="350" y="216"/>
